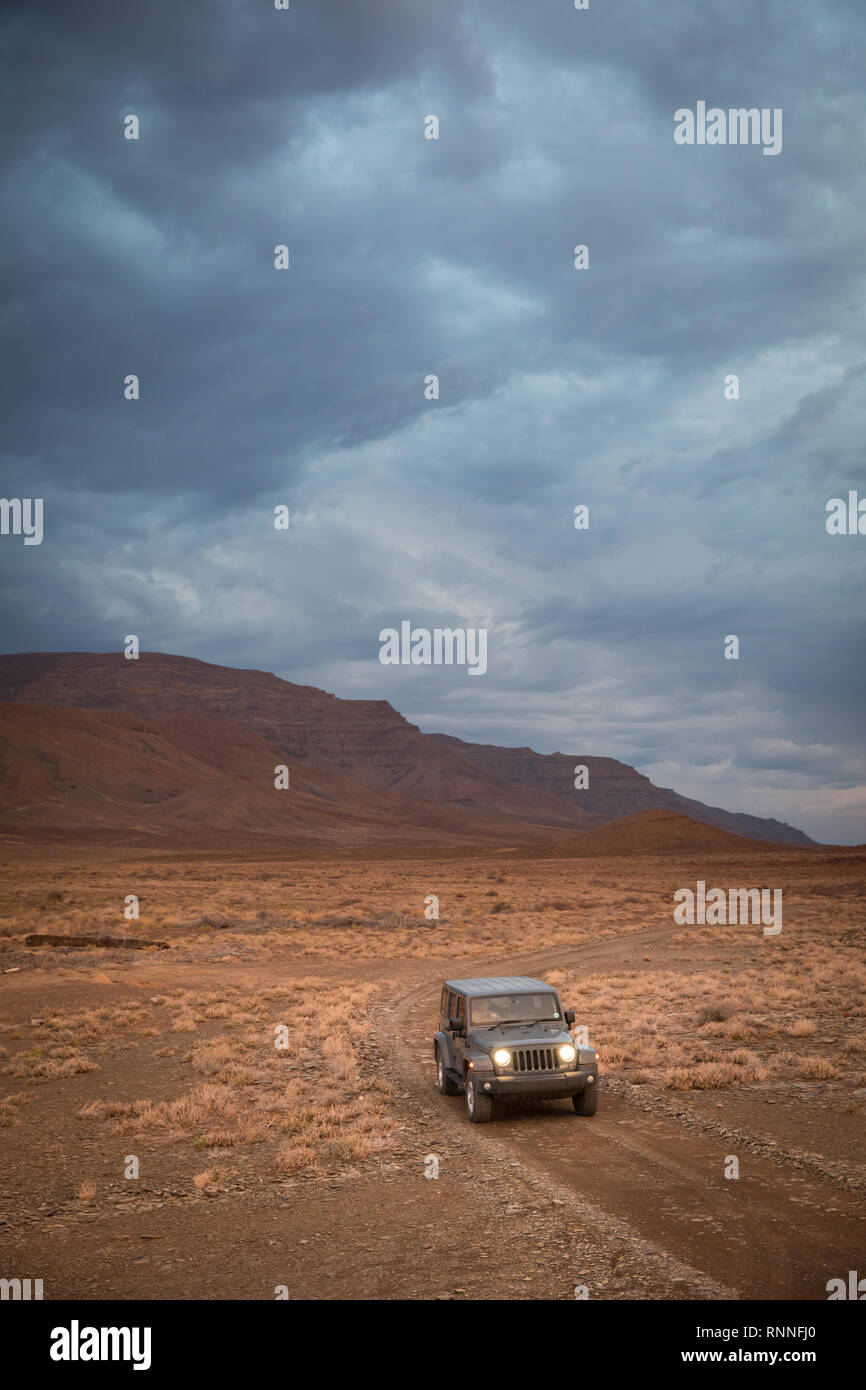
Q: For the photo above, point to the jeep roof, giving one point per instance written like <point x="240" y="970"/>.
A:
<point x="500" y="984"/>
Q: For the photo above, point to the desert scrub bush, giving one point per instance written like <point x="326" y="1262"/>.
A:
<point x="10" y="1105"/>
<point x="48" y="1064"/>
<point x="700" y="1013"/>
<point x="739" y="1028"/>
<point x="211" y="1180"/>
<point x="802" y="1028"/>
<point x="713" y="1013"/>
<point x="705" y="1076"/>
<point x="817" y="1069"/>
<point x="308" y="1099"/>
<point x="295" y="1156"/>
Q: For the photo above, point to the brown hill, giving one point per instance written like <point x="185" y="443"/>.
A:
<point x="97" y="774"/>
<point x="430" y="782"/>
<point x="615" y="789"/>
<point x="654" y="832"/>
<point x="366" y="739"/>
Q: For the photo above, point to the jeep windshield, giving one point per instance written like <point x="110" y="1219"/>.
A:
<point x="489" y="1010"/>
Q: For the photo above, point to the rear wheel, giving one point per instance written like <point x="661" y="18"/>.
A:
<point x="479" y="1107"/>
<point x="586" y="1101"/>
<point x="447" y="1087"/>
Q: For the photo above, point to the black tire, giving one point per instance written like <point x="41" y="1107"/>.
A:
<point x="479" y="1107"/>
<point x="447" y="1087"/>
<point x="586" y="1101"/>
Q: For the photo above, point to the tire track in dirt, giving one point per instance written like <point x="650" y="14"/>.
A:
<point x="637" y="1200"/>
<point x="772" y="1234"/>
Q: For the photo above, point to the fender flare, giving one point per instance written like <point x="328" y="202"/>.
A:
<point x="444" y="1044"/>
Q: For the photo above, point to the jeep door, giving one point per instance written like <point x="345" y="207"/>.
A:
<point x="458" y="1041"/>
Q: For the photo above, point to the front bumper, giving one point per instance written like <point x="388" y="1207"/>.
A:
<point x="554" y="1083"/>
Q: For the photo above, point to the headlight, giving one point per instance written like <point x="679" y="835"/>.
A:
<point x="502" y="1057"/>
<point x="567" y="1053"/>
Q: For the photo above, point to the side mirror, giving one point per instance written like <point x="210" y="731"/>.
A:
<point x="455" y="1025"/>
<point x="569" y="1017"/>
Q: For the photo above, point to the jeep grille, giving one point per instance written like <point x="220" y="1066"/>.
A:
<point x="536" y="1059"/>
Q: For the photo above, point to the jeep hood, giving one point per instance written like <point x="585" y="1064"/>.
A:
<point x="520" y="1035"/>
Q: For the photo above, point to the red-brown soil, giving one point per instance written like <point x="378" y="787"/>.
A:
<point x="308" y="1169"/>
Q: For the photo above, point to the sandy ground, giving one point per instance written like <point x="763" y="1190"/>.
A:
<point x="304" y="1169"/>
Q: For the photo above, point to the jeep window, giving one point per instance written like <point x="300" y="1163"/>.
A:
<point x="461" y="1009"/>
<point x="514" y="1008"/>
<point x="443" y="1007"/>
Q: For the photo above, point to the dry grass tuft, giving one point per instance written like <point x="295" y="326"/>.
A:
<point x="657" y="1028"/>
<point x="311" y="1101"/>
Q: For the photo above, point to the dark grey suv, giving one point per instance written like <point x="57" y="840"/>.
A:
<point x="508" y="1036"/>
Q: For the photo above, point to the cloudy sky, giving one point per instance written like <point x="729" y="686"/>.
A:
<point x="558" y="387"/>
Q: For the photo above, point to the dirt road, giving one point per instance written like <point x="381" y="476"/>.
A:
<point x="773" y="1233"/>
<point x="539" y="1204"/>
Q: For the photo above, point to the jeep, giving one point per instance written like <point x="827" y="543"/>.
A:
<point x="509" y="1036"/>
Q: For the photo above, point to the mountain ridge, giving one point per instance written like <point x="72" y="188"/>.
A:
<point x="426" y="783"/>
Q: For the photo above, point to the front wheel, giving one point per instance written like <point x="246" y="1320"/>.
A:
<point x="586" y="1101"/>
<point x="447" y="1087"/>
<point x="479" y="1107"/>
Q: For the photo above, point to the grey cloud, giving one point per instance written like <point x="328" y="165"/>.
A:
<point x="557" y="387"/>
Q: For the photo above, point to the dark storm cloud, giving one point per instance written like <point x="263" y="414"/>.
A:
<point x="557" y="387"/>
